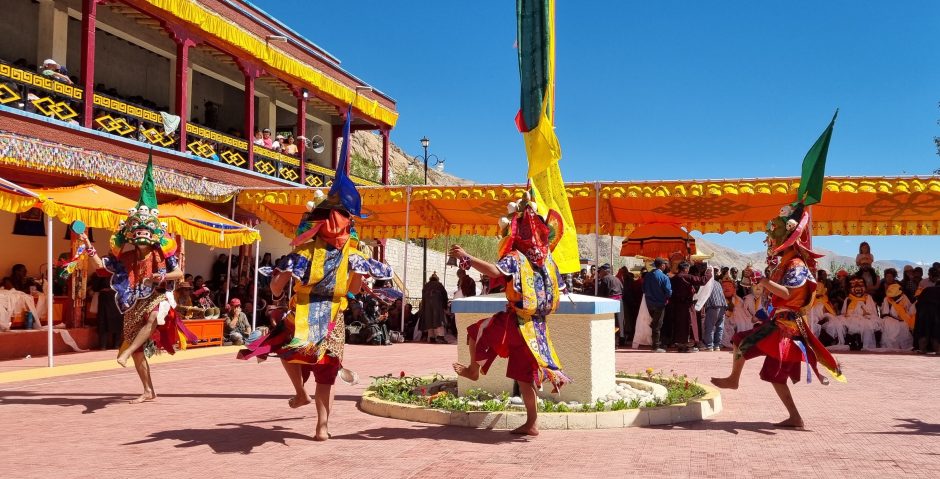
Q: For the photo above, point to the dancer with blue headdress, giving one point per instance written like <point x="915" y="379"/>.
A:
<point x="326" y="266"/>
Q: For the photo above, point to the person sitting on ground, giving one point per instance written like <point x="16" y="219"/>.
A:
<point x="824" y="320"/>
<point x="21" y="282"/>
<point x="202" y="297"/>
<point x="184" y="300"/>
<point x="237" y="328"/>
<point x="897" y="315"/>
<point x="861" y="317"/>
<point x="51" y="69"/>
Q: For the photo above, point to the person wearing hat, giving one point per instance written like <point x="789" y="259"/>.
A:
<point x="325" y="265"/>
<point x="51" y="69"/>
<point x="144" y="266"/>
<point x="861" y="316"/>
<point x="608" y="286"/>
<point x="824" y="320"/>
<point x="897" y="320"/>
<point x="266" y="139"/>
<point x="433" y="309"/>
<point x="533" y="287"/>
<point x="784" y="338"/>
<point x="236" y="327"/>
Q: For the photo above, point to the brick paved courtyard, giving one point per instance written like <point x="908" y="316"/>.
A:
<point x="218" y="417"/>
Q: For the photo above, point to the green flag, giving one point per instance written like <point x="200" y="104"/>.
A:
<point x="814" y="167"/>
<point x="148" y="190"/>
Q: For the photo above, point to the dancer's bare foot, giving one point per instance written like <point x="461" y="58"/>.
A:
<point x="122" y="361"/>
<point x="725" y="383"/>
<point x="471" y="372"/>
<point x="145" y="397"/>
<point x="322" y="433"/>
<point x="526" y="430"/>
<point x="796" y="423"/>
<point x="298" y="401"/>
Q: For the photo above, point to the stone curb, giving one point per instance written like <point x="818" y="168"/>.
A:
<point x="695" y="410"/>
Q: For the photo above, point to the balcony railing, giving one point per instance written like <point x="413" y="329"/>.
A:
<point x="216" y="146"/>
<point x="35" y="93"/>
<point x="131" y="121"/>
<point x="273" y="163"/>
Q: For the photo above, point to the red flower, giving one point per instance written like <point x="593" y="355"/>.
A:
<point x="401" y="374"/>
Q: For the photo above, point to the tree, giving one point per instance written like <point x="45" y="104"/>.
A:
<point x="363" y="168"/>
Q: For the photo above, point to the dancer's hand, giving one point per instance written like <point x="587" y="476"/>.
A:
<point x="456" y="251"/>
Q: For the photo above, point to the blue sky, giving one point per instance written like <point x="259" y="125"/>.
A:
<point x="659" y="90"/>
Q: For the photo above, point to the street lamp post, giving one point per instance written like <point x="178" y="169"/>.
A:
<point x="439" y="164"/>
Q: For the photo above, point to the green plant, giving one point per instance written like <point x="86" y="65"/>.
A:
<point x="620" y="405"/>
<point x="483" y="247"/>
<point x="408" y="178"/>
<point x="363" y="168"/>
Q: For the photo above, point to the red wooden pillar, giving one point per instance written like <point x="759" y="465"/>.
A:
<point x="251" y="73"/>
<point x="181" y="103"/>
<point x="385" y="165"/>
<point x="302" y="131"/>
<point x="89" y="18"/>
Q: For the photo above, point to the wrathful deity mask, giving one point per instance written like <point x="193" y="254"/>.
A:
<point x="142" y="227"/>
<point x="857" y="287"/>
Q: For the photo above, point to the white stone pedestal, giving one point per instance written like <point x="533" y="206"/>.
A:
<point x="582" y="330"/>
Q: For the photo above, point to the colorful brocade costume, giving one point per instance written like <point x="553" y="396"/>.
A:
<point x="785" y="336"/>
<point x="313" y="333"/>
<point x="137" y="293"/>
<point x="533" y="289"/>
<point x="136" y="299"/>
<point x="786" y="339"/>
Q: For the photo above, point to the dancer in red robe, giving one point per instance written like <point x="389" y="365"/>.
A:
<point x="784" y="337"/>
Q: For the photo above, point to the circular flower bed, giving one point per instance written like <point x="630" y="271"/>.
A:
<point x="638" y="400"/>
<point x="439" y="392"/>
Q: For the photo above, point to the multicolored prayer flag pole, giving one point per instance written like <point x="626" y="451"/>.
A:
<point x="536" y="47"/>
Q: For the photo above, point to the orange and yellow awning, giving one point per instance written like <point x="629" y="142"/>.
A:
<point x="850" y="206"/>
<point x="99" y="207"/>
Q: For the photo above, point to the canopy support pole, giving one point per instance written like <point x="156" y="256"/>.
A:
<point x="48" y="292"/>
<point x="446" y="246"/>
<point x="404" y="294"/>
<point x="228" y="272"/>
<point x="597" y="231"/>
<point x="611" y="237"/>
<point x="254" y="300"/>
